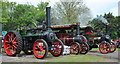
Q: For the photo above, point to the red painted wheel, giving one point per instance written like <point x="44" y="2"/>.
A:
<point x="75" y="48"/>
<point x="12" y="43"/>
<point x="57" y="48"/>
<point x="40" y="49"/>
<point x="104" y="47"/>
<point x="84" y="47"/>
<point x="112" y="47"/>
<point x="28" y="52"/>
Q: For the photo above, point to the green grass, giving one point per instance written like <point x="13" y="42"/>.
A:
<point x="97" y="49"/>
<point x="78" y="58"/>
<point x="118" y="49"/>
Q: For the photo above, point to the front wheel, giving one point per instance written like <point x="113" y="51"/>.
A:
<point x="112" y="47"/>
<point x="84" y="48"/>
<point x="84" y="45"/>
<point x="40" y="49"/>
<point x="57" y="48"/>
<point x="75" y="48"/>
<point x="104" y="47"/>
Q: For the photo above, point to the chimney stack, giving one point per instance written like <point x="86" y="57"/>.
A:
<point x="48" y="17"/>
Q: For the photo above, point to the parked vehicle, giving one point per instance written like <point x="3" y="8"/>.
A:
<point x="39" y="40"/>
<point x="94" y="38"/>
<point x="117" y="42"/>
<point x="70" y="35"/>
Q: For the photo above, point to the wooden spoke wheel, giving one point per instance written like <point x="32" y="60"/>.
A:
<point x="12" y="43"/>
<point x="57" y="48"/>
<point x="104" y="47"/>
<point x="40" y="49"/>
<point x="75" y="48"/>
<point x="84" y="46"/>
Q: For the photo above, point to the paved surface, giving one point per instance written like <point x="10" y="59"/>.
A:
<point x="112" y="57"/>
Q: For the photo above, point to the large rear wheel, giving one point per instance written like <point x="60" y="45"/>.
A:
<point x="40" y="49"/>
<point x="75" y="48"/>
<point x="112" y="47"/>
<point x="12" y="43"/>
<point x="104" y="47"/>
<point x="57" y="48"/>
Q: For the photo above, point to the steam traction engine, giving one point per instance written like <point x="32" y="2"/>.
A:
<point x="39" y="40"/>
<point x="70" y="35"/>
<point x="104" y="40"/>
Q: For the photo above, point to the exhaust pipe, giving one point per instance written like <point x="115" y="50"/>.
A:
<point x="78" y="28"/>
<point x="48" y="17"/>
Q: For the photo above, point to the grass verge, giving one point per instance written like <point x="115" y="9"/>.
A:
<point x="79" y="58"/>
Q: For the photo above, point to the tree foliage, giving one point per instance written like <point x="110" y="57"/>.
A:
<point x="114" y="25"/>
<point x="69" y="12"/>
<point x="19" y="15"/>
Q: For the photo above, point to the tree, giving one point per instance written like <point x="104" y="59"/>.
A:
<point x="7" y="10"/>
<point x="69" y="12"/>
<point x="19" y="15"/>
<point x="114" y="25"/>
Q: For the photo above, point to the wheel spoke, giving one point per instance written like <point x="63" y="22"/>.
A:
<point x="14" y="42"/>
<point x="14" y="39"/>
<point x="74" y="49"/>
<point x="8" y="35"/>
<point x="6" y="41"/>
<point x="14" y="46"/>
<point x="104" y="48"/>
<point x="9" y="47"/>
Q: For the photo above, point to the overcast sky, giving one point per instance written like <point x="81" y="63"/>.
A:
<point x="97" y="7"/>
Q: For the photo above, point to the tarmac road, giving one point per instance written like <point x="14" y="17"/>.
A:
<point x="113" y="57"/>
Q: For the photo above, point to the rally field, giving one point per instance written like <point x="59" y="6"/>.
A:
<point x="93" y="56"/>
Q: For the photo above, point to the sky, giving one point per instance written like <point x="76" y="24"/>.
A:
<point x="97" y="7"/>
